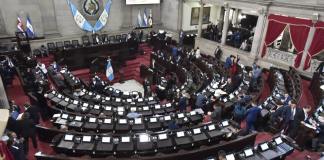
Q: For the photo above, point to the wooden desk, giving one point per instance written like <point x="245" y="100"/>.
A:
<point x="81" y="57"/>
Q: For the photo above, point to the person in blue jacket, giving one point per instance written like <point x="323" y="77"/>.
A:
<point x="252" y="115"/>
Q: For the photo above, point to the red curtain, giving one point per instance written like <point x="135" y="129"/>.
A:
<point x="298" y="35"/>
<point x="274" y="30"/>
<point x="299" y="32"/>
<point x="317" y="45"/>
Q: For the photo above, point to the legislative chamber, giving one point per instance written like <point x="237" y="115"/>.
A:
<point x="162" y="80"/>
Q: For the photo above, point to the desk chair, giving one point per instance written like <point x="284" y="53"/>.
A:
<point x="122" y="125"/>
<point x="86" y="145"/>
<point x="183" y="140"/>
<point x="144" y="144"/>
<point x="105" y="146"/>
<point x="125" y="146"/>
<point x="91" y="124"/>
<point x="106" y="125"/>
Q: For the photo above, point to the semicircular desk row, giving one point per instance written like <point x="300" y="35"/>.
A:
<point x="198" y="141"/>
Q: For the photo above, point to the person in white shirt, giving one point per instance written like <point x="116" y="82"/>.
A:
<point x="42" y="67"/>
<point x="198" y="55"/>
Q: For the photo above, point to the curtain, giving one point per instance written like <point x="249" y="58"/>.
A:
<point x="299" y="30"/>
<point x="317" y="45"/>
<point x="298" y="36"/>
<point x="273" y="32"/>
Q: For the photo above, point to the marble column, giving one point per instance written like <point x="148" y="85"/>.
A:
<point x="201" y="11"/>
<point x="258" y="33"/>
<point x="307" y="45"/>
<point x="235" y="17"/>
<point x="225" y="25"/>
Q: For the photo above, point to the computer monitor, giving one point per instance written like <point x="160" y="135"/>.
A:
<point x="68" y="137"/>
<point x="230" y="157"/>
<point x="264" y="146"/>
<point x="138" y="120"/>
<point x="211" y="127"/>
<point x="248" y="152"/>
<point x="86" y="139"/>
<point x="122" y="121"/>
<point x="107" y="121"/>
<point x="225" y="123"/>
<point x="278" y="140"/>
<point x="153" y="120"/>
<point x="162" y="136"/>
<point x="144" y="138"/>
<point x="125" y="139"/>
<point x="180" y="134"/>
<point x="197" y="131"/>
<point x="78" y="118"/>
<point x="92" y="120"/>
<point x="105" y="139"/>
<point x="167" y="118"/>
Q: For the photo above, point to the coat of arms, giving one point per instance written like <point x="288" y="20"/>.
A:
<point x="91" y="7"/>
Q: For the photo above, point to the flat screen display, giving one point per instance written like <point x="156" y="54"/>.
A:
<point x="105" y="139"/>
<point x="230" y="157"/>
<point x="132" y="2"/>
<point x="264" y="146"/>
<point x="68" y="137"/>
<point x="248" y="152"/>
<point x="162" y="136"/>
<point x="86" y="138"/>
<point x="278" y="140"/>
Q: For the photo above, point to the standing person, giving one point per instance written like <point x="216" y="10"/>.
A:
<point x="33" y="112"/>
<point x="140" y="36"/>
<point x="198" y="55"/>
<point x="218" y="53"/>
<point x="234" y="66"/>
<point x="251" y="116"/>
<point x="181" y="36"/>
<point x="27" y="130"/>
<point x="292" y="117"/>
<point x="228" y="63"/>
<point x="147" y="87"/>
<point x="183" y="102"/>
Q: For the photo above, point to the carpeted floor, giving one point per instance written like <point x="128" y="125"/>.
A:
<point x="16" y="93"/>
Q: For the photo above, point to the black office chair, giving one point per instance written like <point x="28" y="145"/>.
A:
<point x="183" y="140"/>
<point x="164" y="142"/>
<point x="118" y="38"/>
<point x="91" y="124"/>
<point x="67" y="44"/>
<point x="122" y="125"/>
<point x="125" y="146"/>
<point x="107" y="125"/>
<point x="51" y="47"/>
<point x="59" y="45"/>
<point x="144" y="144"/>
<point x="105" y="146"/>
<point x="85" y="40"/>
<point x="138" y="124"/>
<point x="124" y="38"/>
<point x="112" y="39"/>
<point x="85" y="146"/>
<point x="75" y="43"/>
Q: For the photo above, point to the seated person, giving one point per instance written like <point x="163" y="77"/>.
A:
<point x="44" y="51"/>
<point x="286" y="99"/>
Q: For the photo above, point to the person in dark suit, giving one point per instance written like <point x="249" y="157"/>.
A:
<point x="33" y="112"/>
<point x="27" y="130"/>
<point x="251" y="116"/>
<point x="16" y="150"/>
<point x="292" y="118"/>
<point x="183" y="102"/>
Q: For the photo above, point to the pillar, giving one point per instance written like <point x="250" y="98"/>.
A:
<point x="307" y="45"/>
<point x="201" y="11"/>
<point x="235" y="17"/>
<point x="258" y="33"/>
<point x="225" y="25"/>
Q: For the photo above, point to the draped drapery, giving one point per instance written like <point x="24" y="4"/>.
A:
<point x="299" y="30"/>
<point x="317" y="45"/>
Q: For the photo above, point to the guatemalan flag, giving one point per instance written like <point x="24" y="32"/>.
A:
<point x="79" y="19"/>
<point x="103" y="17"/>
<point x="145" y="18"/>
<point x="20" y="25"/>
<point x="109" y="71"/>
<point x="29" y="28"/>
<point x="139" y="19"/>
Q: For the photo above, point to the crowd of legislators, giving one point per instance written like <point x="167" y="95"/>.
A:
<point x="287" y="115"/>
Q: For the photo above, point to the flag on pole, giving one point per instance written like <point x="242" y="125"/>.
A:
<point x="145" y="18"/>
<point x="139" y="19"/>
<point x="109" y="71"/>
<point x="20" y="25"/>
<point x="29" y="28"/>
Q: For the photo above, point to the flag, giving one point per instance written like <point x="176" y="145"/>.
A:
<point x="20" y="25"/>
<point x="29" y="28"/>
<point x="145" y="18"/>
<point x="139" y="19"/>
<point x="79" y="19"/>
<point x="103" y="17"/>
<point x="109" y="71"/>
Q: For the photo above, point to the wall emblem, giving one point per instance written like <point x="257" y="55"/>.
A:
<point x="91" y="7"/>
